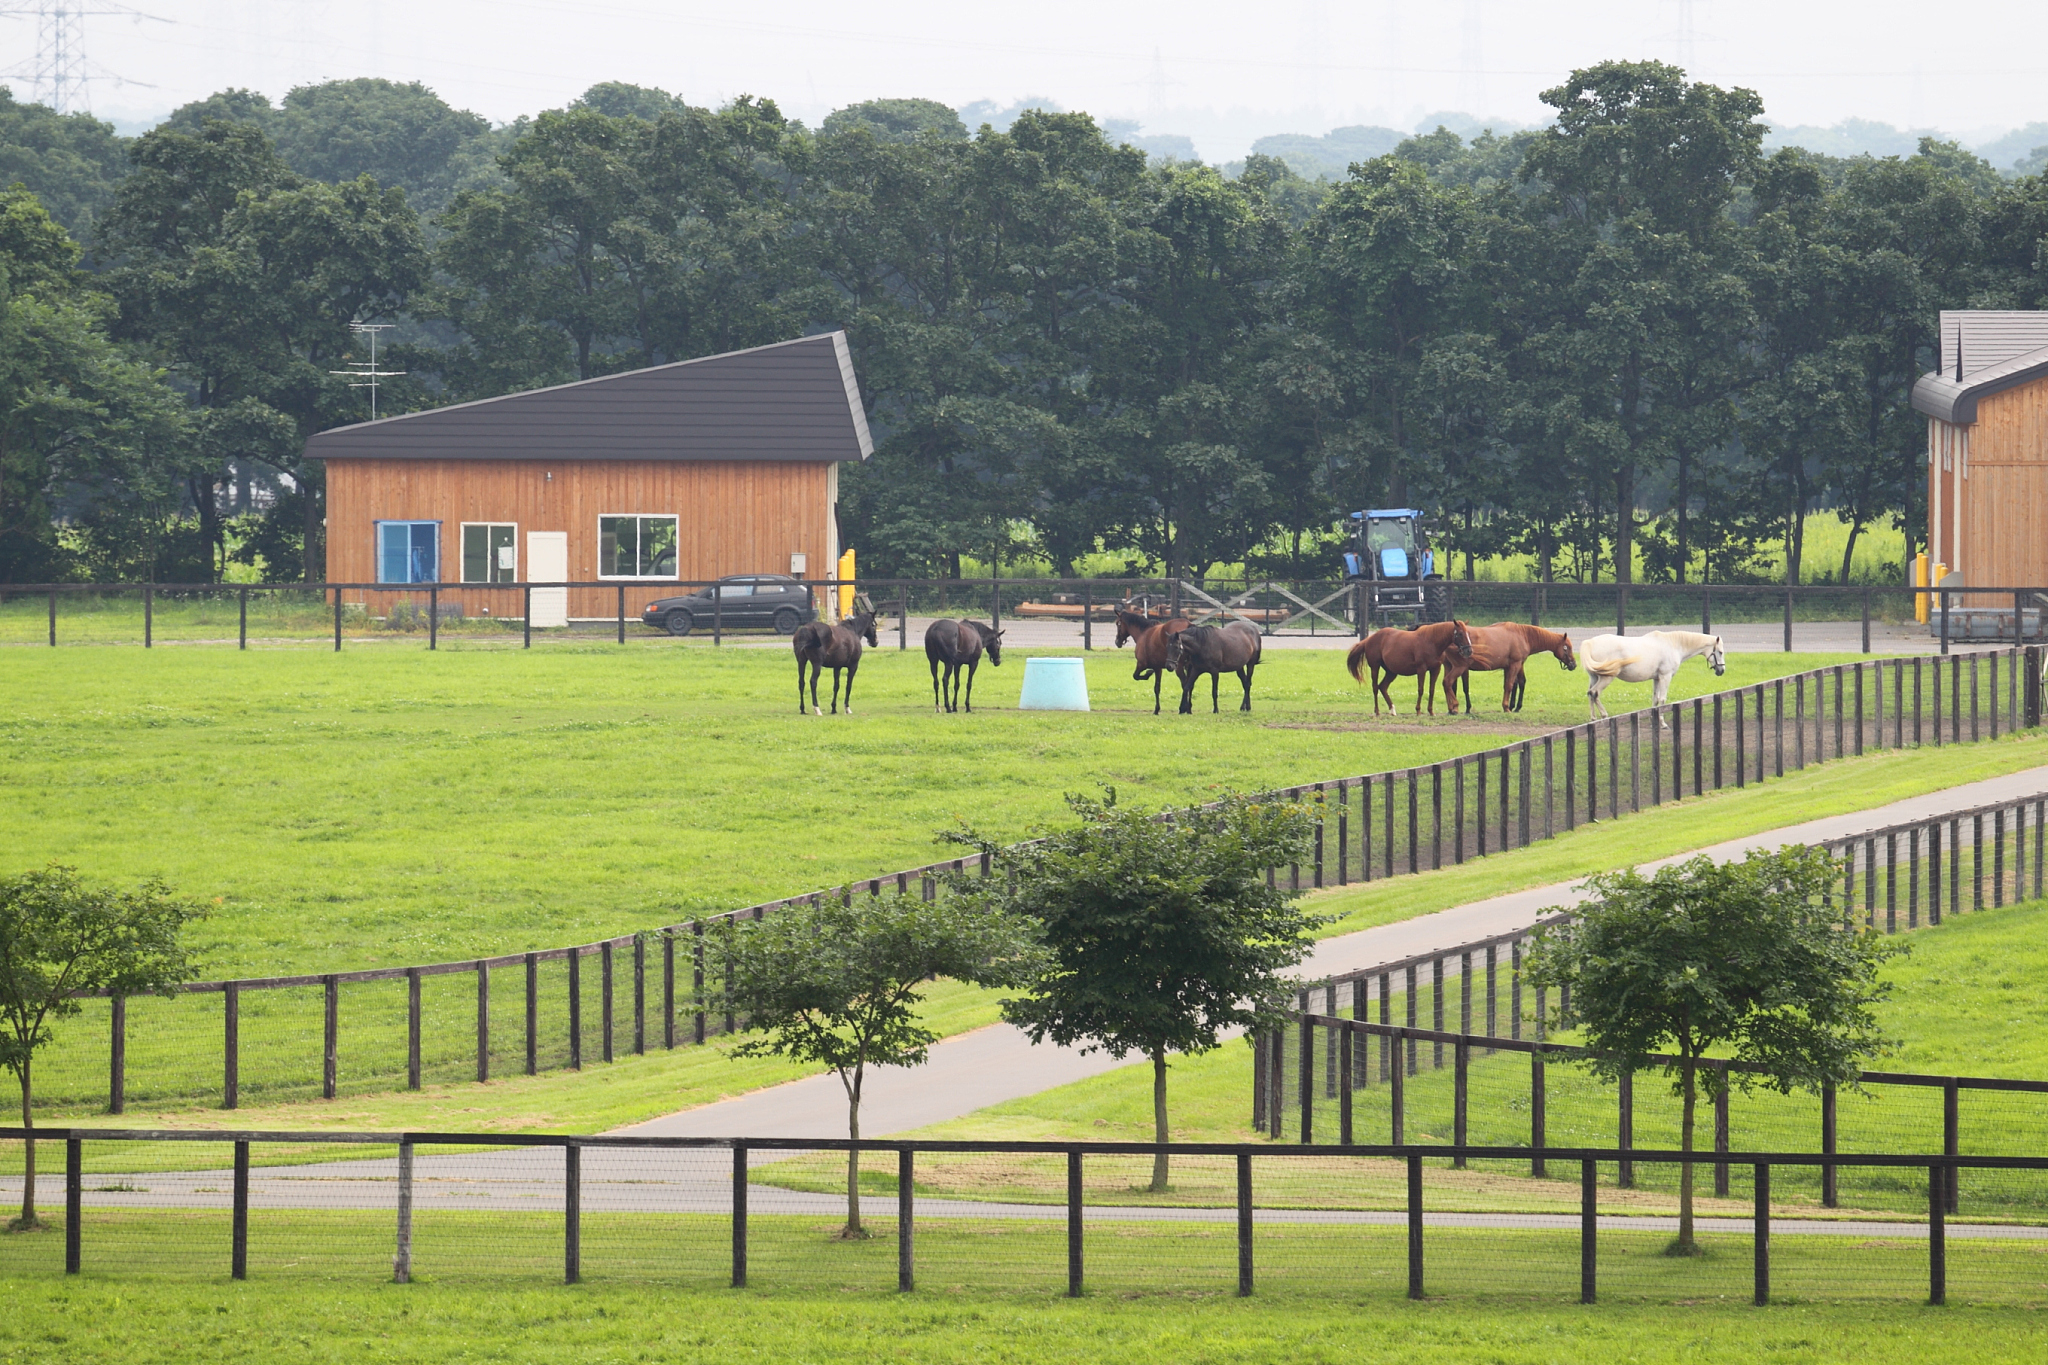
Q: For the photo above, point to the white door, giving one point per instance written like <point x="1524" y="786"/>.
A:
<point x="547" y="561"/>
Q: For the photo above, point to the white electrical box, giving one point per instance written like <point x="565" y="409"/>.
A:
<point x="798" y="565"/>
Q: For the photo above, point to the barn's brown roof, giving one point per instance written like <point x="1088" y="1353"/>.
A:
<point x="1983" y="352"/>
<point x="794" y="400"/>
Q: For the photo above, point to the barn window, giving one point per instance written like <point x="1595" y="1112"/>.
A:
<point x="408" y="552"/>
<point x="490" y="552"/>
<point x="636" y="547"/>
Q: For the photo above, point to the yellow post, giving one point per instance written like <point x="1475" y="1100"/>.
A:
<point x="1920" y="581"/>
<point x="846" y="575"/>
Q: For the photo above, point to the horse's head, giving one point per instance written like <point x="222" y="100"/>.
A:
<point x="1177" y="646"/>
<point x="862" y="623"/>
<point x="1461" y="640"/>
<point x="1717" y="659"/>
<point x="992" y="641"/>
<point x="1565" y="656"/>
<point x="1129" y="622"/>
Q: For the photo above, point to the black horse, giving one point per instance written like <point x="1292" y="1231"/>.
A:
<point x="823" y="645"/>
<point x="959" y="645"/>
<point x="1215" y="650"/>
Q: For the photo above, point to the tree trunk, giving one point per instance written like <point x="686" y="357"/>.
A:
<point x="1684" y="1246"/>
<point x="1159" y="1118"/>
<point x="853" y="1227"/>
<point x="28" y="1165"/>
<point x="1684" y="512"/>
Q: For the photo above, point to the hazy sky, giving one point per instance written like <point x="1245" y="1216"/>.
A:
<point x="1222" y="73"/>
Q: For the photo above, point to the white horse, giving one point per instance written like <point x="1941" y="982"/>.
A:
<point x="1652" y="657"/>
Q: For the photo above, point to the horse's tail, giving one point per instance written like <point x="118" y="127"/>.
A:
<point x="1355" y="660"/>
<point x="1608" y="668"/>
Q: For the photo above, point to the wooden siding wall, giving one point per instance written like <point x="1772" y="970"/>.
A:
<point x="2003" y="492"/>
<point x="732" y="517"/>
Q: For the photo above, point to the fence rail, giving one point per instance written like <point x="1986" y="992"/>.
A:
<point x="1276" y="606"/>
<point x="642" y="1207"/>
<point x="519" y="1012"/>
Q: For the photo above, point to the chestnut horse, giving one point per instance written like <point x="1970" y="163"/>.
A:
<point x="1416" y="653"/>
<point x="1505" y="646"/>
<point x="1151" y="636"/>
<point x="824" y="645"/>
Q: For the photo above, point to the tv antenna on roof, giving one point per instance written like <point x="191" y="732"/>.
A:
<point x="366" y="378"/>
<point x="60" y="74"/>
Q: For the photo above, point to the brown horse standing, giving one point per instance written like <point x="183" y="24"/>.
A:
<point x="824" y="645"/>
<point x="1416" y="653"/>
<point x="1505" y="646"/>
<point x="1150" y="650"/>
<point x="1215" y="650"/>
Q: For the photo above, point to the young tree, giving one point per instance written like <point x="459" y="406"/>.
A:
<point x="60" y="935"/>
<point x="1161" y="933"/>
<point x="1745" y="959"/>
<point x="838" y="983"/>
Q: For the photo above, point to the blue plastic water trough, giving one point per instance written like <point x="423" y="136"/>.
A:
<point x="1054" y="684"/>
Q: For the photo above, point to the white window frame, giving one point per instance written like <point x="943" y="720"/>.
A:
<point x="462" y="534"/>
<point x="669" y="517"/>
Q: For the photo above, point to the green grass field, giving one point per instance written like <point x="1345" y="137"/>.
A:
<point x="388" y="807"/>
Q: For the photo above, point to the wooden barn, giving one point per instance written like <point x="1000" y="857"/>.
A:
<point x="692" y="471"/>
<point x="1987" y="448"/>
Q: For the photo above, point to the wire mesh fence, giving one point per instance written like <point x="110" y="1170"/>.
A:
<point x="1365" y="1220"/>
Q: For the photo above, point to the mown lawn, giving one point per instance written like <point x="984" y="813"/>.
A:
<point x="386" y="806"/>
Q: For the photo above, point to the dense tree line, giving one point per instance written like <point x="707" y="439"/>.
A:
<point x="1628" y="344"/>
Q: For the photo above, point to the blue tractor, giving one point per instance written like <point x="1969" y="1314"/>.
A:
<point x="1394" y="561"/>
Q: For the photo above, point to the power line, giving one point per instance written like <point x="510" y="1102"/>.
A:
<point x="60" y="74"/>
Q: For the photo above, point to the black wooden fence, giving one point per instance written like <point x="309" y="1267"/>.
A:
<point x="1430" y="1252"/>
<point x="533" y="1011"/>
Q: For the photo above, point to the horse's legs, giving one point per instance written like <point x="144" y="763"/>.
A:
<point x="1595" y="685"/>
<point x="1187" y="692"/>
<point x="799" y="686"/>
<point x="851" y="669"/>
<point x="935" y="682"/>
<point x="1511" y="679"/>
<point x="972" y="664"/>
<point x="816" y="668"/>
<point x="1244" y="675"/>
<point x="1429" y="673"/>
<point x="1158" y="677"/>
<point x="1215" y="679"/>
<point x="1660" y="689"/>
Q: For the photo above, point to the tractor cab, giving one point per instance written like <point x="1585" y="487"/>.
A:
<point x="1392" y="557"/>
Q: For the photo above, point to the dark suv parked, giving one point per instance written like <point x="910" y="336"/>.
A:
<point x="743" y="600"/>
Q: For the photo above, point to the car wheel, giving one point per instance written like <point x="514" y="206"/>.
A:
<point x="787" y="620"/>
<point x="678" y="622"/>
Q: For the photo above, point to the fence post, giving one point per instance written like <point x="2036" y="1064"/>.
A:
<point x="337" y="620"/>
<point x="739" y="1216"/>
<point x="525" y="619"/>
<point x="231" y="1059"/>
<point x="639" y="995"/>
<point x="1828" y="1193"/>
<point x="1537" y="1166"/>
<point x="117" y="1059"/>
<point x="483" y="1021"/>
<point x="434" y="617"/>
<point x="238" y="1233"/>
<point x="1763" y="1234"/>
<point x="575" y="1010"/>
<point x="330" y="1036"/>
<point x="1244" y="1223"/>
<point x="1074" y="1243"/>
<point x="1260" y="1048"/>
<point x="241" y="633"/>
<point x="2031" y="717"/>
<point x="1950" y="1133"/>
<point x="1462" y="1055"/>
<point x="906" y="1210"/>
<point x="74" y="1204"/>
<point x="1717" y="741"/>
<point x="604" y="997"/>
<point x="1866" y="620"/>
<point x="572" y="1213"/>
<point x="668" y="989"/>
<point x="1397" y="1092"/>
<point x="1589" y="1228"/>
<point x="1345" y="1064"/>
<point x="1937" y="1235"/>
<point x="1721" y="1134"/>
<point x="53" y="619"/>
<point x="1343" y="834"/>
<point x="1414" y="1226"/>
<point x="532" y="1013"/>
<point x="1788" y="618"/>
<point x="1625" y="1129"/>
<point x="401" y="1260"/>
<point x="412" y="1028"/>
<point x="1307" y="1081"/>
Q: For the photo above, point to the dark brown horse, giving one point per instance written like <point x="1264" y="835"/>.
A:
<point x="1506" y="646"/>
<point x="1214" y="650"/>
<point x="1416" y="653"/>
<point x="1150" y="651"/>
<point x="959" y="645"/>
<point x="823" y="645"/>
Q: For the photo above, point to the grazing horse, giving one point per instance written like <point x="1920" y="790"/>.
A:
<point x="1150" y="650"/>
<point x="1416" y="653"/>
<point x="959" y="645"/>
<point x="1653" y="657"/>
<point x="823" y="645"/>
<point x="1215" y="650"/>
<point x="1505" y="646"/>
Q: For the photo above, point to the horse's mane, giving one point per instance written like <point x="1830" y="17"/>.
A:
<point x="1692" y="640"/>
